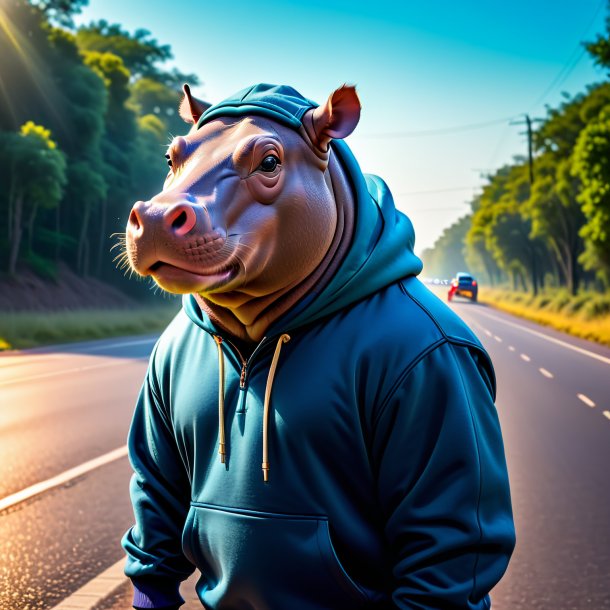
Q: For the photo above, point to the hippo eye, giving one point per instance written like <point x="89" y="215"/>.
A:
<point x="269" y="163"/>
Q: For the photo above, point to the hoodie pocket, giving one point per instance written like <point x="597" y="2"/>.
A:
<point x="266" y="561"/>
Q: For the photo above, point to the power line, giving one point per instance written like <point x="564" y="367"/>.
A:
<point x="444" y="190"/>
<point x="453" y="209"/>
<point x="573" y="60"/>
<point x="438" y="132"/>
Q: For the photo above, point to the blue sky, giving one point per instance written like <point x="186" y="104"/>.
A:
<point x="420" y="67"/>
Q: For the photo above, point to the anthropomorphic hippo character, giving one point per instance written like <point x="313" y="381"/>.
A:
<point x="316" y="430"/>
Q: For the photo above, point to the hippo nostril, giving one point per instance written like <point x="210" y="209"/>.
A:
<point x="179" y="220"/>
<point x="134" y="221"/>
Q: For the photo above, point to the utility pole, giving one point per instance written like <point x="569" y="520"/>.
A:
<point x="530" y="144"/>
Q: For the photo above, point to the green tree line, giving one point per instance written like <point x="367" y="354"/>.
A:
<point x="556" y="228"/>
<point x="85" y="115"/>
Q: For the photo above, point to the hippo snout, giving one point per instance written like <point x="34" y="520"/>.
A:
<point x="177" y="219"/>
<point x="179" y="234"/>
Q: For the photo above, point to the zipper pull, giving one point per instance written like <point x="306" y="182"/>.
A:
<point x="242" y="377"/>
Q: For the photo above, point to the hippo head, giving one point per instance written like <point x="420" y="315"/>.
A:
<point x="248" y="210"/>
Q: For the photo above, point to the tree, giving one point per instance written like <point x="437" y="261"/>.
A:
<point x="87" y="188"/>
<point x="592" y="167"/>
<point x="556" y="214"/>
<point x="446" y="257"/>
<point x="139" y="51"/>
<point x="153" y="90"/>
<point x="500" y="225"/>
<point x="34" y="173"/>
<point x="60" y="11"/>
<point x="599" y="48"/>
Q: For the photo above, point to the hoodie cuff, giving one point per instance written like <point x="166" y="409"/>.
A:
<point x="160" y="594"/>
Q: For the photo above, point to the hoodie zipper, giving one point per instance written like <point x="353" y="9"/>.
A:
<point x="244" y="362"/>
<point x="284" y="338"/>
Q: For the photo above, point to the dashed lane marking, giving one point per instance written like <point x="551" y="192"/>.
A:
<point x="511" y="348"/>
<point x="60" y="479"/>
<point x="607" y="414"/>
<point x="525" y="357"/>
<point x="497" y="339"/>
<point x="546" y="373"/>
<point x="89" y="595"/>
<point x="574" y="348"/>
<point x="586" y="400"/>
<point x="488" y="333"/>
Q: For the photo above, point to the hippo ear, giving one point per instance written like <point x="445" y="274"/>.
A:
<point x="335" y="119"/>
<point x="191" y="108"/>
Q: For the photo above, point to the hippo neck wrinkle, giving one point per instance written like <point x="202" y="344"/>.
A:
<point x="250" y="320"/>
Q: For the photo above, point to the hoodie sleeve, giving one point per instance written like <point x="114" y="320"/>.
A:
<point x="443" y="484"/>
<point x="160" y="494"/>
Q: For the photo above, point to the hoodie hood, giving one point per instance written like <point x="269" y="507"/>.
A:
<point x="278" y="102"/>
<point x="381" y="251"/>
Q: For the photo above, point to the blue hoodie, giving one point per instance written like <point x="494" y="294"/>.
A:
<point x="368" y="407"/>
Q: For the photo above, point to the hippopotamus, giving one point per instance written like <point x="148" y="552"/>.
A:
<point x="306" y="348"/>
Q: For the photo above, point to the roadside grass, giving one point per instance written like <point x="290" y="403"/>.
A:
<point x="585" y="315"/>
<point x="20" y="330"/>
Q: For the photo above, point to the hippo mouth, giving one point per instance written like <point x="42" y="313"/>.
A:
<point x="181" y="280"/>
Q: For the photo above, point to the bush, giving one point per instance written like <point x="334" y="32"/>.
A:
<point x="560" y="299"/>
<point x="596" y="307"/>
<point x="541" y="301"/>
<point x="574" y="306"/>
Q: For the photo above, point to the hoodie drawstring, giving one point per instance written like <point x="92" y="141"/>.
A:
<point x="221" y="399"/>
<point x="283" y="339"/>
<point x="221" y="402"/>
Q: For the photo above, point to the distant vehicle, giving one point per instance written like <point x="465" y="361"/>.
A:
<point x="436" y="281"/>
<point x="463" y="285"/>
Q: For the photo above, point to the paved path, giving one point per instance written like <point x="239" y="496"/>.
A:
<point x="63" y="408"/>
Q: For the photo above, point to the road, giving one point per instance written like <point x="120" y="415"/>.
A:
<point x="65" y="411"/>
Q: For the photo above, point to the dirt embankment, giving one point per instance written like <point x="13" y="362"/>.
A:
<point x="29" y="292"/>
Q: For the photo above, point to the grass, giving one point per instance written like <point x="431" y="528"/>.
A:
<point x="19" y="330"/>
<point x="585" y="315"/>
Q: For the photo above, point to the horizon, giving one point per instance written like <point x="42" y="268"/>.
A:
<point x="432" y="134"/>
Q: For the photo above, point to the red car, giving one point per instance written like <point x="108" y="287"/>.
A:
<point x="463" y="285"/>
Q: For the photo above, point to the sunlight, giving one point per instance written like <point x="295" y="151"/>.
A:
<point x="29" y="64"/>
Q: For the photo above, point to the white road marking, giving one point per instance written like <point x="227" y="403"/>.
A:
<point x="511" y="348"/>
<point x="14" y="359"/>
<point x="546" y="373"/>
<point x="580" y="350"/>
<point x="18" y="357"/>
<point x="607" y="414"/>
<point x="99" y="348"/>
<point x="89" y="595"/>
<point x="487" y="332"/>
<point x="79" y="369"/>
<point x="497" y="339"/>
<point x="586" y="400"/>
<point x="60" y="479"/>
<point x="525" y="357"/>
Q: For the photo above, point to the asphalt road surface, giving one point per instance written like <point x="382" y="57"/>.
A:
<point x="65" y="411"/>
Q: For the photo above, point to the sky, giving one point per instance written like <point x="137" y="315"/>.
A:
<point x="439" y="81"/>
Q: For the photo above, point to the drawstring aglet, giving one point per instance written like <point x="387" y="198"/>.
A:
<point x="266" y="472"/>
<point x="222" y="452"/>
